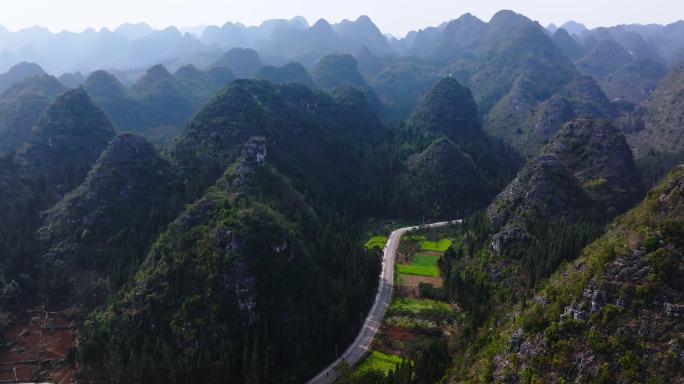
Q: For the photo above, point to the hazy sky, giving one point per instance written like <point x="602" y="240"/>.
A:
<point x="393" y="16"/>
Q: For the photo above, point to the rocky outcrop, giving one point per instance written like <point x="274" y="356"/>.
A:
<point x="587" y="172"/>
<point x="597" y="154"/>
<point x="620" y="305"/>
<point x="544" y="190"/>
<point x="105" y="224"/>
<point x="21" y="106"/>
<point x="664" y="118"/>
<point x="66" y="142"/>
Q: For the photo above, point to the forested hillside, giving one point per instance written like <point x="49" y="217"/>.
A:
<point x="213" y="204"/>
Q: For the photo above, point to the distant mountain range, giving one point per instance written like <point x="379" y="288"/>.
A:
<point x="139" y="46"/>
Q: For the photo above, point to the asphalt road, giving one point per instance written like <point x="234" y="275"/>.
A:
<point x="383" y="297"/>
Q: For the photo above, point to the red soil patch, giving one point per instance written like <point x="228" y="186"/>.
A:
<point x="414" y="281"/>
<point x="37" y="342"/>
<point x="398" y="333"/>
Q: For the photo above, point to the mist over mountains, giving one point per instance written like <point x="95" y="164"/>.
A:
<point x="278" y="41"/>
<point x="203" y="205"/>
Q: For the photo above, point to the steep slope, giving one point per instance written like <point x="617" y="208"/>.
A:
<point x="587" y="172"/>
<point x="560" y="201"/>
<point x="513" y="68"/>
<point x="240" y="265"/>
<point x="20" y="108"/>
<point x="66" y="142"/>
<point x="288" y="73"/>
<point x="201" y="86"/>
<point x="596" y="152"/>
<point x="613" y="315"/>
<point x="459" y="165"/>
<point x="567" y="44"/>
<point x="635" y="81"/>
<point x="244" y="62"/>
<point x="401" y="85"/>
<point x="335" y="70"/>
<point x="18" y="73"/>
<point x="362" y="33"/>
<point x="94" y="238"/>
<point x="664" y="118"/>
<point x="123" y="111"/>
<point x="304" y="45"/>
<point x="443" y="180"/>
<point x="604" y="59"/>
<point x="581" y="97"/>
<point x="16" y="199"/>
<point x="526" y="70"/>
<point x="458" y="39"/>
<point x="293" y="116"/>
<point x="449" y="109"/>
<point x="544" y="190"/>
<point x="623" y="63"/>
<point x="72" y="80"/>
<point x="161" y="98"/>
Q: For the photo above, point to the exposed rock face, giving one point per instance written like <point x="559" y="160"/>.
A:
<point x="597" y="153"/>
<point x="109" y="219"/>
<point x="21" y="106"/>
<point x="664" y="120"/>
<point x="623" y="299"/>
<point x="231" y="253"/>
<point x="587" y="172"/>
<point x="545" y="189"/>
<point x="66" y="141"/>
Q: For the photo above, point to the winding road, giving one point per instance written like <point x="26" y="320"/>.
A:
<point x="383" y="297"/>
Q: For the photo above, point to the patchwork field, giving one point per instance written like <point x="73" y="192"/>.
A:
<point x="413" y="321"/>
<point x="422" y="265"/>
<point x="379" y="361"/>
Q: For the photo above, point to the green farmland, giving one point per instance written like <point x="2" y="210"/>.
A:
<point x="421" y="265"/>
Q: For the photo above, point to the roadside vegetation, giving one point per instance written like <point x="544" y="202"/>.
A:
<point x="413" y="345"/>
<point x="376" y="242"/>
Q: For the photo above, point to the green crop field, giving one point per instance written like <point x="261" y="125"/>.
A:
<point x="436" y="246"/>
<point x="417" y="305"/>
<point x="376" y="242"/>
<point x="379" y="361"/>
<point x="421" y="265"/>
